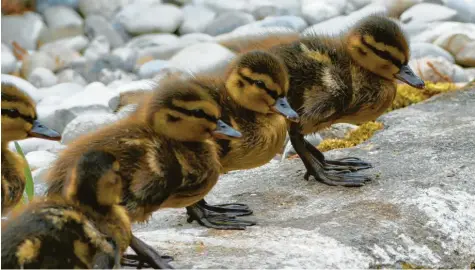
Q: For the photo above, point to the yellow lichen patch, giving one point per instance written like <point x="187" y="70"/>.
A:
<point x="407" y="95"/>
<point x="28" y="251"/>
<point x="353" y="138"/>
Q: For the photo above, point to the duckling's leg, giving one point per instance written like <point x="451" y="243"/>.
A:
<point x="148" y="254"/>
<point x="343" y="164"/>
<point x="316" y="168"/>
<point x="222" y="219"/>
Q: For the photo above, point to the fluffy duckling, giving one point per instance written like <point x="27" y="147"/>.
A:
<point x="345" y="79"/>
<point x="167" y="157"/>
<point x="74" y="230"/>
<point x="253" y="98"/>
<point x="19" y="121"/>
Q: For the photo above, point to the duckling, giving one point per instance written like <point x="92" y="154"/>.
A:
<point x="76" y="229"/>
<point x="345" y="79"/>
<point x="253" y="98"/>
<point x="167" y="157"/>
<point x="19" y="121"/>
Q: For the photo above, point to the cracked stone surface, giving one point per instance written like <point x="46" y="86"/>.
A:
<point x="418" y="209"/>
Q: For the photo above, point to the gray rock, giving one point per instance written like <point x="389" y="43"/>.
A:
<point x="42" y="77"/>
<point x="466" y="56"/>
<point x="96" y="25"/>
<point x="354" y="5"/>
<point x="422" y="49"/>
<point x="36" y="144"/>
<point x="63" y="55"/>
<point x="62" y="17"/>
<point x="39" y="177"/>
<point x="146" y="18"/>
<point x="40" y="159"/>
<point x="223" y="6"/>
<point x="470" y="73"/>
<point x="196" y="18"/>
<point x="202" y="57"/>
<point x="36" y="60"/>
<point x="98" y="48"/>
<point x="77" y="43"/>
<point x="70" y="75"/>
<point x="86" y="123"/>
<point x="426" y="12"/>
<point x="151" y="40"/>
<point x="292" y="22"/>
<point x="337" y="131"/>
<point x="105" y="8"/>
<point x="195" y="38"/>
<point x="59" y="115"/>
<point x="465" y="9"/>
<point x="418" y="209"/>
<point x="9" y="61"/>
<point x="263" y="9"/>
<point x="42" y="5"/>
<point x="25" y="29"/>
<point x="125" y="57"/>
<point x="150" y="69"/>
<point x="23" y="85"/>
<point x="438" y="69"/>
<point x="227" y="22"/>
<point x="314" y="139"/>
<point x="319" y="11"/>
<point x="107" y="76"/>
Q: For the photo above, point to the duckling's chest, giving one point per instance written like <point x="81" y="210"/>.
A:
<point x="262" y="139"/>
<point x="13" y="180"/>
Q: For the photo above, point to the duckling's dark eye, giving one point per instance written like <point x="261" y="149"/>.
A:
<point x="11" y="113"/>
<point x="199" y="113"/>
<point x="172" y="118"/>
<point x="260" y="84"/>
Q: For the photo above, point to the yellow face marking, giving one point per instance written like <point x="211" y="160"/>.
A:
<point x="206" y="106"/>
<point x="262" y="77"/>
<point x="81" y="250"/>
<point x="315" y="55"/>
<point x="116" y="166"/>
<point x="28" y="251"/>
<point x="395" y="52"/>
<point x="109" y="189"/>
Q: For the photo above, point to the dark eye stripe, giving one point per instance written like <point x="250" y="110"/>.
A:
<point x="12" y="113"/>
<point x="195" y="114"/>
<point x="383" y="54"/>
<point x="271" y="93"/>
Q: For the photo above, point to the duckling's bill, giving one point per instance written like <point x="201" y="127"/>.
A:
<point x="225" y="131"/>
<point x="408" y="76"/>
<point x="41" y="131"/>
<point x="282" y="106"/>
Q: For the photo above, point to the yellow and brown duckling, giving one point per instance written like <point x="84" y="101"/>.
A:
<point x="19" y="121"/>
<point x="344" y="79"/>
<point x="253" y="99"/>
<point x="167" y="156"/>
<point x="76" y="229"/>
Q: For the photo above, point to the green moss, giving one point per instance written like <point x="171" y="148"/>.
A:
<point x="353" y="138"/>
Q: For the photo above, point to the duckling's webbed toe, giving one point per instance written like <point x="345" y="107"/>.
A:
<point x="231" y="209"/>
<point x="224" y="220"/>
<point x="348" y="164"/>
<point x="145" y="254"/>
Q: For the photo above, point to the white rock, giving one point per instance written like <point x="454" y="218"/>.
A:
<point x="62" y="17"/>
<point x="147" y="85"/>
<point x="86" y="123"/>
<point x="150" y="69"/>
<point x="460" y="44"/>
<point x="93" y="99"/>
<point x="315" y="139"/>
<point x="40" y="159"/>
<point x="63" y="56"/>
<point x="70" y="75"/>
<point x="151" y="40"/>
<point x="195" y="38"/>
<point x="223" y="6"/>
<point x="143" y="18"/>
<point x="289" y="21"/>
<point x="77" y="43"/>
<point x="426" y="12"/>
<point x="107" y="76"/>
<point x="9" y="61"/>
<point x="423" y="49"/>
<point x="25" y="29"/>
<point x="465" y="9"/>
<point x="337" y="131"/>
<point x="39" y="177"/>
<point x="36" y="60"/>
<point x="438" y="70"/>
<point x="126" y="111"/>
<point x="470" y="73"/>
<point x="466" y="56"/>
<point x="36" y="144"/>
<point x="196" y="18"/>
<point x="98" y="48"/>
<point x="96" y="25"/>
<point x="127" y="58"/>
<point x="202" y="57"/>
<point x="446" y="29"/>
<point x="227" y="22"/>
<point x="42" y="77"/>
<point x="354" y="5"/>
<point x="319" y="11"/>
<point x="56" y="94"/>
<point x="23" y="85"/>
<point x="106" y="8"/>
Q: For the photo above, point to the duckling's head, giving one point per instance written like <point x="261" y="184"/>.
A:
<point x="378" y="44"/>
<point x="186" y="110"/>
<point x="95" y="180"/>
<point x="19" y="119"/>
<point x="259" y="81"/>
